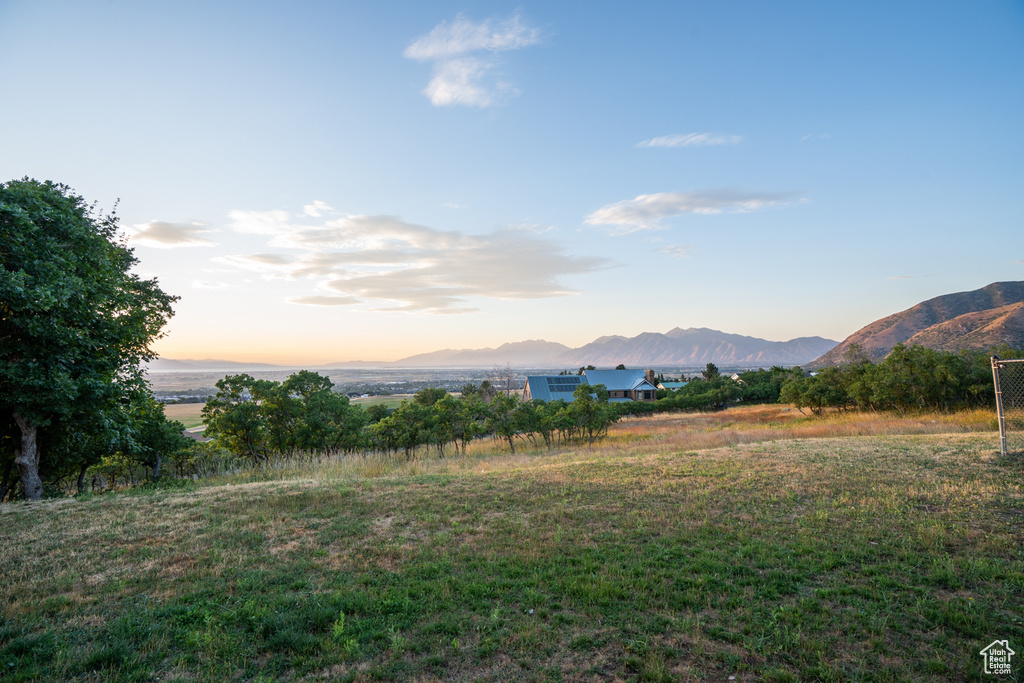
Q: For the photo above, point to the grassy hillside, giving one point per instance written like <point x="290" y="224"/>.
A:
<point x="752" y="544"/>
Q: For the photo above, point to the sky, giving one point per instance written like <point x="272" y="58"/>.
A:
<point x="333" y="181"/>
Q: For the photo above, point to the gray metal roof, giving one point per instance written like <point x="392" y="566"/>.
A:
<point x="618" y="380"/>
<point x="554" y="387"/>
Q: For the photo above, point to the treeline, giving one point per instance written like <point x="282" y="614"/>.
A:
<point x="909" y="378"/>
<point x="260" y="420"/>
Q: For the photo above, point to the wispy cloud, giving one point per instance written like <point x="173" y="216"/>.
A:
<point x="170" y="235"/>
<point x="692" y="140"/>
<point x="464" y="55"/>
<point x="266" y="263"/>
<point x="316" y="209"/>
<point x="204" y="284"/>
<point x="459" y="81"/>
<point x="448" y="40"/>
<point x="389" y="264"/>
<point x="898" y="277"/>
<point x="679" y="251"/>
<point x="325" y="300"/>
<point x="260" y="222"/>
<point x="647" y="210"/>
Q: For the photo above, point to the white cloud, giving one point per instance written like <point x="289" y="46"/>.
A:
<point x="463" y="53"/>
<point x="462" y="36"/>
<point x="679" y="251"/>
<point x="458" y="81"/>
<point x="325" y="300"/>
<point x="170" y="235"/>
<point x="692" y="140"/>
<point x="647" y="210"/>
<point x="260" y="222"/>
<point x="203" y="284"/>
<point x="256" y="262"/>
<point x="407" y="267"/>
<point x="899" y="277"/>
<point x="316" y="209"/>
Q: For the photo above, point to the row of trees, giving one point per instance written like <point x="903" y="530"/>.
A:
<point x="260" y="419"/>
<point x="909" y="378"/>
<point x="257" y="418"/>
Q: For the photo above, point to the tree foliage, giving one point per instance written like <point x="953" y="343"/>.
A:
<point x="75" y="324"/>
<point x="909" y="378"/>
<point x="255" y="418"/>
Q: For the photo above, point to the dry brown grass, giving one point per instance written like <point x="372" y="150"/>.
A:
<point x="666" y="433"/>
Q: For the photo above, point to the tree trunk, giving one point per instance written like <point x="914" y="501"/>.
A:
<point x="28" y="460"/>
<point x="81" y="479"/>
<point x="156" y="468"/>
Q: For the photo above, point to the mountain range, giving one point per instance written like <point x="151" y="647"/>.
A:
<point x="689" y="347"/>
<point x="980" y="319"/>
<point x="684" y="347"/>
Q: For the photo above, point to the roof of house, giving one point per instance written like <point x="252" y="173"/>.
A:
<point x="672" y="385"/>
<point x="554" y="387"/>
<point x="618" y="380"/>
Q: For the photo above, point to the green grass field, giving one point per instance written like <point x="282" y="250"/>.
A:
<point x="757" y="556"/>
<point x="189" y="414"/>
<point x="389" y="401"/>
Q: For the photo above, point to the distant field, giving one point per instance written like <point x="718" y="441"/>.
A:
<point x="686" y="547"/>
<point x="189" y="414"/>
<point x="389" y="401"/>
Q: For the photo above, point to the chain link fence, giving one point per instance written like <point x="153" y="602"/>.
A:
<point x="1008" y="376"/>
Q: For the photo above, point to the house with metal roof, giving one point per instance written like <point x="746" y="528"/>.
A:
<point x="552" y="387"/>
<point x="622" y="385"/>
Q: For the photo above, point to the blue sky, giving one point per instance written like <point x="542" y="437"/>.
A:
<point x="336" y="181"/>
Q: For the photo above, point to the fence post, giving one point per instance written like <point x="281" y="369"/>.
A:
<point x="999" y="405"/>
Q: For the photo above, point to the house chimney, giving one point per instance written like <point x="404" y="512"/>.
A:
<point x="650" y="376"/>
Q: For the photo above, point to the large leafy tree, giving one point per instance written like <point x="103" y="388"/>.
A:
<point x="590" y="412"/>
<point x="235" y="416"/>
<point x="75" y="322"/>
